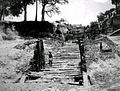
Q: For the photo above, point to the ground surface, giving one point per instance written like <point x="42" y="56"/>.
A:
<point x="14" y="60"/>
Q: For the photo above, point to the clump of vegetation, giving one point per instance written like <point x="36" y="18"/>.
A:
<point x="107" y="78"/>
<point x="10" y="35"/>
<point x="106" y="55"/>
<point x="23" y="68"/>
<point x="6" y="32"/>
<point x="101" y="77"/>
<point x="91" y="53"/>
<point x="2" y="64"/>
<point x="34" y="28"/>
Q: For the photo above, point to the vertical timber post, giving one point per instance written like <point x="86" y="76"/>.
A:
<point x="40" y="55"/>
<point x="81" y="49"/>
<point x="100" y="46"/>
<point x="82" y="63"/>
<point x="83" y="67"/>
<point x="82" y="55"/>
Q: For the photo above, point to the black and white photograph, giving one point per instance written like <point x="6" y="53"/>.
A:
<point x="59" y="45"/>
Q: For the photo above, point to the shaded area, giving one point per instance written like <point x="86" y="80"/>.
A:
<point x="34" y="28"/>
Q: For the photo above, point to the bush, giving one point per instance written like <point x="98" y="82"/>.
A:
<point x="6" y="32"/>
<point x="102" y="76"/>
<point x="23" y="67"/>
<point x="33" y="29"/>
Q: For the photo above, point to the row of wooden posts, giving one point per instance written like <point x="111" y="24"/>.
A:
<point x="82" y="63"/>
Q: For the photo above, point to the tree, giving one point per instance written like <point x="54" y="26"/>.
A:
<point x="18" y="6"/>
<point x="110" y="13"/>
<point x="105" y="20"/>
<point x="94" y="29"/>
<point x="101" y="18"/>
<point x="25" y="3"/>
<point x="4" y="8"/>
<point x="50" y="6"/>
<point x="116" y="3"/>
<point x="36" y="9"/>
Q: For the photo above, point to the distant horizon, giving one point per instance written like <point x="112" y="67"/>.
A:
<point x="76" y="12"/>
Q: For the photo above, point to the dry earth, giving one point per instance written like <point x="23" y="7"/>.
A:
<point x="14" y="61"/>
<point x="15" y="58"/>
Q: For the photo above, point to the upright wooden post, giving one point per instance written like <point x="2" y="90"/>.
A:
<point x="80" y="49"/>
<point x="82" y="55"/>
<point x="82" y="63"/>
<point x="100" y="46"/>
<point x="41" y="56"/>
<point x="38" y="47"/>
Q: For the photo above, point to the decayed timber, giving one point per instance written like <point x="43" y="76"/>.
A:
<point x="38" y="61"/>
<point x="23" y="78"/>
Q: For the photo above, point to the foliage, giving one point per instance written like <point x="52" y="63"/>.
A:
<point x="4" y="8"/>
<point x="101" y="17"/>
<point x="105" y="20"/>
<point x="94" y="29"/>
<point x="106" y="56"/>
<point x="50" y="7"/>
<point x="116" y="3"/>
<point x="15" y="8"/>
<point x="101" y="77"/>
<point x="34" y="29"/>
<point x="18" y="6"/>
<point x="7" y="32"/>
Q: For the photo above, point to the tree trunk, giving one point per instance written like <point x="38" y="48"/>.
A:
<point x="3" y="15"/>
<point x="43" y="13"/>
<point x="36" y="10"/>
<point x="116" y="8"/>
<point x="25" y="13"/>
<point x="0" y="16"/>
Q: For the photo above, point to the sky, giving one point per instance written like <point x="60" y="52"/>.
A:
<point x="76" y="12"/>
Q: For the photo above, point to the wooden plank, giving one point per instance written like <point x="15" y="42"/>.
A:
<point x="23" y="78"/>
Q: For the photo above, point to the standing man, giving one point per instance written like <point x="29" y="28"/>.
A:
<point x="50" y="58"/>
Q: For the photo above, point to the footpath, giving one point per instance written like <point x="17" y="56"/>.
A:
<point x="64" y="68"/>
